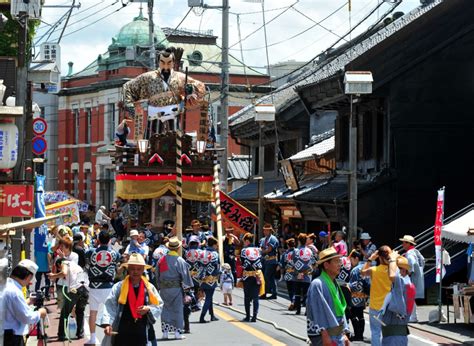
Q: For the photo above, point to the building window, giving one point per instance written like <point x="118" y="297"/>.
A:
<point x="75" y="191"/>
<point x="112" y="121"/>
<point x="75" y="113"/>
<point x="195" y="58"/>
<point x="89" y="125"/>
<point x="87" y="186"/>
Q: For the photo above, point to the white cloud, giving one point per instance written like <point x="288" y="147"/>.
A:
<point x="85" y="45"/>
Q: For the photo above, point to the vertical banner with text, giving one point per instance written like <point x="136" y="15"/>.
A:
<point x="41" y="232"/>
<point x="437" y="232"/>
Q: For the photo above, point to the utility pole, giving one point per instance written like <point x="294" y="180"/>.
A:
<point x="261" y="180"/>
<point x="151" y="36"/>
<point x="352" y="234"/>
<point x="225" y="91"/>
<point x="21" y="91"/>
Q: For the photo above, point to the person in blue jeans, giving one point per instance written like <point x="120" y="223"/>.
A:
<point x="209" y="277"/>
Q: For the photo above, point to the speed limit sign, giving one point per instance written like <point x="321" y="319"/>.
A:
<point x="39" y="126"/>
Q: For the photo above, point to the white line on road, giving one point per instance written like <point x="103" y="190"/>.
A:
<point x="426" y="341"/>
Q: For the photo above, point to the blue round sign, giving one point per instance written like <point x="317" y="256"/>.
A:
<point x="39" y="145"/>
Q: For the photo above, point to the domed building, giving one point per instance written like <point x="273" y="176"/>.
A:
<point x="89" y="101"/>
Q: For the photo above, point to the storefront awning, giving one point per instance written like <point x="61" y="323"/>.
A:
<point x="29" y="224"/>
<point x="249" y="192"/>
<point x="457" y="229"/>
<point x="134" y="186"/>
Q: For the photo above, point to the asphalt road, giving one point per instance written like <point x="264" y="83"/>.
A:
<point x="276" y="326"/>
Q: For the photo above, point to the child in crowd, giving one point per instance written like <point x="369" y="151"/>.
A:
<point x="134" y="245"/>
<point x="227" y="283"/>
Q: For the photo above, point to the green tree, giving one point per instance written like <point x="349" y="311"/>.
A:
<point x="9" y="35"/>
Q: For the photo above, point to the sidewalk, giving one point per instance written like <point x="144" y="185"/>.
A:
<point x="460" y="331"/>
<point x="52" y="330"/>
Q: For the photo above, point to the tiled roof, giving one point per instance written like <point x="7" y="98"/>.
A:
<point x="239" y="167"/>
<point x="286" y="93"/>
<point x="329" y="191"/>
<point x="249" y="191"/>
<point x="320" y="148"/>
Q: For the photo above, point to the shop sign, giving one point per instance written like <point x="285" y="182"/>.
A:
<point x="16" y="200"/>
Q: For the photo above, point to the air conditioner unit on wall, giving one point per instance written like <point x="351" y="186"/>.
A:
<point x="32" y="7"/>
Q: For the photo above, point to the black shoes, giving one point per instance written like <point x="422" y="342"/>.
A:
<point x="213" y="318"/>
<point x="202" y="320"/>
<point x="272" y="297"/>
<point x="263" y="297"/>
<point x="246" y="319"/>
<point x="254" y="319"/>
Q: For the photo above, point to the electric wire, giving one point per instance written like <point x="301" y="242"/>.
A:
<point x="311" y="61"/>
<point x="304" y="31"/>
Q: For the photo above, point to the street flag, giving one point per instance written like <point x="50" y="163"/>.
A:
<point x="234" y="213"/>
<point x="40" y="211"/>
<point x="437" y="232"/>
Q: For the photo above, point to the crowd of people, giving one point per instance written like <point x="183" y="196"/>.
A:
<point x="143" y="277"/>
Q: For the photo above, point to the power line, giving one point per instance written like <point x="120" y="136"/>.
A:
<point x="96" y="21"/>
<point x="261" y="27"/>
<point x="351" y="44"/>
<point x="304" y="31"/>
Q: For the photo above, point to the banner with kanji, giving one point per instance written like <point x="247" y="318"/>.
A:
<point x="70" y="207"/>
<point x="16" y="200"/>
<point x="40" y="211"/>
<point x="237" y="215"/>
<point x="437" y="232"/>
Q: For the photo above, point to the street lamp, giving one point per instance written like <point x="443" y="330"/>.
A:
<point x="355" y="83"/>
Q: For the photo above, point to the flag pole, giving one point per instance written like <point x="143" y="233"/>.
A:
<point x="217" y="198"/>
<point x="440" y="290"/>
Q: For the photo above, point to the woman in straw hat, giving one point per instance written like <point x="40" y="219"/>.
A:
<point x="399" y="303"/>
<point x="131" y="308"/>
<point x="172" y="277"/>
<point x="326" y="306"/>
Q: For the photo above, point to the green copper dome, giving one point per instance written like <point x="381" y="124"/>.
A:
<point x="136" y="33"/>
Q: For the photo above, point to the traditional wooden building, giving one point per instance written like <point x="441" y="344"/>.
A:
<point x="414" y="130"/>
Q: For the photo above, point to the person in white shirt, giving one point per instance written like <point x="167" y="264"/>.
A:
<point x="17" y="313"/>
<point x="101" y="216"/>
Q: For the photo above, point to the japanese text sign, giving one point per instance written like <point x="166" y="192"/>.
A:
<point x="235" y="213"/>
<point x="203" y="122"/>
<point x="16" y="200"/>
<point x="437" y="232"/>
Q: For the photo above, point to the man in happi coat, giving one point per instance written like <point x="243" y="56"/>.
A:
<point x="209" y="276"/>
<point x="131" y="308"/>
<point x="269" y="247"/>
<point x="398" y="304"/>
<point x="172" y="277"/>
<point x="325" y="307"/>
<point x="302" y="261"/>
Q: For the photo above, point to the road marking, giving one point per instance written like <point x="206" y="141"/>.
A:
<point x="426" y="341"/>
<point x="247" y="328"/>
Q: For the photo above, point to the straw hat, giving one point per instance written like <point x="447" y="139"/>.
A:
<point x="173" y="244"/>
<point x="136" y="259"/>
<point x="409" y="239"/>
<point x="328" y="254"/>
<point x="402" y="262"/>
<point x="133" y="232"/>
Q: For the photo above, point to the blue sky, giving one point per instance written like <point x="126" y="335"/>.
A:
<point x="87" y="43"/>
